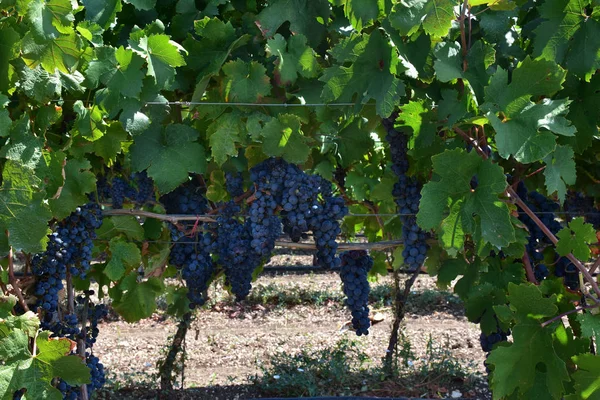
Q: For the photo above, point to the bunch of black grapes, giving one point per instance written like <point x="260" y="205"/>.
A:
<point x="355" y="266"/>
<point x="407" y="192"/>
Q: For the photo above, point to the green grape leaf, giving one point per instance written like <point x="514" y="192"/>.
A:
<point x="587" y="381"/>
<point x="521" y="135"/>
<point x="168" y="155"/>
<point x="119" y="69"/>
<point x="79" y="181"/>
<point x="305" y="17"/>
<point x="177" y="300"/>
<point x="22" y="146"/>
<point x="91" y="32"/>
<point x="353" y="143"/>
<point x="62" y="53"/>
<point x="14" y="346"/>
<point x="449" y="64"/>
<point x="116" y="225"/>
<point x="245" y="82"/>
<point x="207" y="55"/>
<point x="216" y="191"/>
<point x="515" y="364"/>
<point x="528" y="302"/>
<point x="294" y="58"/>
<point x="560" y="171"/>
<point x="102" y="12"/>
<point x="568" y="34"/>
<point x="36" y="372"/>
<point x="531" y="78"/>
<point x="23" y="211"/>
<point x="283" y="137"/>
<point x="584" y="112"/>
<point x="135" y="300"/>
<point x="481" y="206"/>
<point x="111" y="143"/>
<point x="363" y="14"/>
<point x="90" y="121"/>
<point x="371" y="74"/>
<point x="576" y="239"/>
<point x="48" y="19"/>
<point x="9" y="49"/>
<point x="123" y="257"/>
<point x="436" y="16"/>
<point x="38" y="84"/>
<point x="142" y="4"/>
<point x="590" y="326"/>
<point x="422" y="119"/>
<point x="224" y="133"/>
<point x="7" y="303"/>
<point x="162" y="55"/>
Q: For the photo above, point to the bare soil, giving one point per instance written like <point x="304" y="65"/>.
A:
<point x="227" y="342"/>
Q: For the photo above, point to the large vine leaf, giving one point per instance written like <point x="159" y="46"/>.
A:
<point x="515" y="364"/>
<point x="23" y="211"/>
<point x="245" y="82"/>
<point x="123" y="256"/>
<point x="62" y="53"/>
<point x="36" y="372"/>
<point x="49" y="19"/>
<point x="9" y="40"/>
<point x="363" y="14"/>
<point x="102" y="12"/>
<point x="224" y="133"/>
<point x="283" y="137"/>
<point x="135" y="300"/>
<point x="560" y="171"/>
<point x="371" y="74"/>
<point x="294" y="58"/>
<point x="576" y="239"/>
<point x="480" y="207"/>
<point x="168" y="155"/>
<point x="206" y="56"/>
<point x="162" y="55"/>
<point x="587" y="377"/>
<point x="22" y="146"/>
<point x="119" y="69"/>
<point x="304" y="16"/>
<point x="568" y="34"/>
<point x="436" y="16"/>
<point x="519" y="133"/>
<point x="79" y="181"/>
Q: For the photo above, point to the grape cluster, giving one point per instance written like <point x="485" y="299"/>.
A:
<point x="145" y="188"/>
<point x="407" y="192"/>
<point x="119" y="191"/>
<point x="489" y="341"/>
<point x="192" y="256"/>
<point x="234" y="183"/>
<point x="234" y="248"/>
<point x="269" y="178"/>
<point x="567" y="270"/>
<point x="69" y="249"/>
<point x="307" y="204"/>
<point x="355" y="266"/>
<point x="186" y="199"/>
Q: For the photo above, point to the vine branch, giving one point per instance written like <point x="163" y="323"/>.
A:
<point x="528" y="269"/>
<point x="12" y="279"/>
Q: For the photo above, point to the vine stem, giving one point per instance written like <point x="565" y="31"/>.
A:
<point x="81" y="343"/>
<point x="573" y="311"/>
<point x="12" y="279"/>
<point x="519" y="202"/>
<point x="166" y="369"/>
<point x="528" y="269"/>
<point x="594" y="267"/>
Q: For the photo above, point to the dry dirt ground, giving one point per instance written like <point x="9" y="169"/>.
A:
<point x="227" y="342"/>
